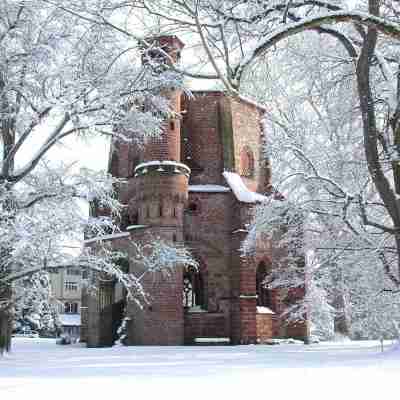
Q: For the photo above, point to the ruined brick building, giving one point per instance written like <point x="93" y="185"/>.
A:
<point x="195" y="186"/>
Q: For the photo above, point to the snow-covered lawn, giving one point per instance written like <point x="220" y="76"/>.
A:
<point x="39" y="369"/>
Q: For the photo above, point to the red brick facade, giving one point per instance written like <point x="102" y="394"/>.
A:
<point x="199" y="210"/>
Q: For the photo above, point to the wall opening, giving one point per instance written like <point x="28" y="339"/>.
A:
<point x="193" y="288"/>
<point x="263" y="278"/>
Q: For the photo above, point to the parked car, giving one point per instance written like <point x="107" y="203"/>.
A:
<point x="26" y="334"/>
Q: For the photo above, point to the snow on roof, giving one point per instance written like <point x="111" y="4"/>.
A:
<point x="240" y="190"/>
<point x="106" y="237"/>
<point x="264" y="310"/>
<point x="70" y="319"/>
<point x="209" y="188"/>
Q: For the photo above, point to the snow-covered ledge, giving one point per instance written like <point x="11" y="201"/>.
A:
<point x="195" y="309"/>
<point x="106" y="237"/>
<point x="209" y="188"/>
<point x="264" y="310"/>
<point x="215" y="340"/>
<point x="248" y="296"/>
<point x="162" y="167"/>
<point x="133" y="227"/>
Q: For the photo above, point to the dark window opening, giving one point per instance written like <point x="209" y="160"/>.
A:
<point x="263" y="278"/>
<point x="125" y="221"/>
<point x="174" y="237"/>
<point x="135" y="218"/>
<point x="193" y="288"/>
<point x="160" y="210"/>
<point x="172" y="125"/>
<point x="193" y="207"/>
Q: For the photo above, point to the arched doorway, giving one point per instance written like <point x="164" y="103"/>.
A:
<point x="193" y="288"/>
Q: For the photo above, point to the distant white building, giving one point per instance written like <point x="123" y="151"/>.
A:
<point x="66" y="287"/>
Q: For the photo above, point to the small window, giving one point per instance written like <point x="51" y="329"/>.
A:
<point x="193" y="207"/>
<point x="246" y="162"/>
<point x="172" y="125"/>
<point x="71" y="286"/>
<point x="71" y="308"/>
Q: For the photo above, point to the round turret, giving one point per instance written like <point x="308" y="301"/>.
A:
<point x="161" y="191"/>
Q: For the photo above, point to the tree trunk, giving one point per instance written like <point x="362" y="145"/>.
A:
<point x="376" y="169"/>
<point x="5" y="320"/>
<point x="341" y="321"/>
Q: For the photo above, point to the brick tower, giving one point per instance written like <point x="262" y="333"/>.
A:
<point x="222" y="140"/>
<point x="158" y="200"/>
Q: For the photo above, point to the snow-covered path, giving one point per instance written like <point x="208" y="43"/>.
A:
<point x="38" y="369"/>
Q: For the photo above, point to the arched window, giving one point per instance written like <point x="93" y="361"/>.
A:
<point x="246" y="162"/>
<point x="263" y="277"/>
<point x="193" y="288"/>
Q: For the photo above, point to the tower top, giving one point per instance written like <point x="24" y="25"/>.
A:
<point x="170" y="44"/>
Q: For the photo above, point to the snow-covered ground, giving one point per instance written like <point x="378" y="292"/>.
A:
<point x="39" y="369"/>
